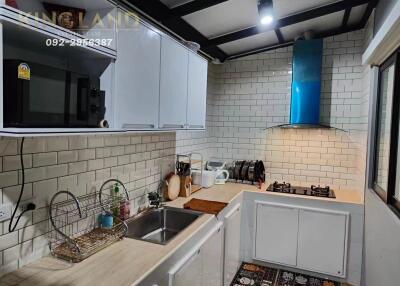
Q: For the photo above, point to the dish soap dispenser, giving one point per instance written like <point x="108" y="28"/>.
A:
<point x="116" y="203"/>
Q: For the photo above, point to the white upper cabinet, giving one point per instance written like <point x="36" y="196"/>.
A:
<point x="173" y="84"/>
<point x="137" y="74"/>
<point x="276" y="233"/>
<point x="322" y="244"/>
<point x="197" y="92"/>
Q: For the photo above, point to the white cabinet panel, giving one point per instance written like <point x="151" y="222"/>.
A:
<point x="212" y="252"/>
<point x="276" y="233"/>
<point x="173" y="84"/>
<point x="190" y="273"/>
<point x="232" y="244"/>
<point x="197" y="92"/>
<point x="322" y="242"/>
<point x="203" y="265"/>
<point x="137" y="76"/>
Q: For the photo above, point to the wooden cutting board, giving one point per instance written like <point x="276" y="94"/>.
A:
<point x="205" y="206"/>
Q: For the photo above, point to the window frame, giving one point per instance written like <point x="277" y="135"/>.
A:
<point x="389" y="196"/>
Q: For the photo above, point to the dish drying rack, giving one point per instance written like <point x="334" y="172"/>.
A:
<point x="75" y="233"/>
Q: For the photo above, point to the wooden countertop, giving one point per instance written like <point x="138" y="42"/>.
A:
<point x="129" y="261"/>
<point x="227" y="193"/>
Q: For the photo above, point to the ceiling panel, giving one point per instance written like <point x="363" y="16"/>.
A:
<point x="174" y="3"/>
<point x="316" y="25"/>
<point x="357" y="14"/>
<point x="224" y="18"/>
<point x="254" y="42"/>
<point x="285" y="8"/>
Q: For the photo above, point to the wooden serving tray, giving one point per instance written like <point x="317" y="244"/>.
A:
<point x="204" y="206"/>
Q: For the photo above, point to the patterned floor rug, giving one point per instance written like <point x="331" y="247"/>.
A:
<point x="255" y="275"/>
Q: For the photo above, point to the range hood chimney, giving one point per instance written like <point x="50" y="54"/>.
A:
<point x="306" y="85"/>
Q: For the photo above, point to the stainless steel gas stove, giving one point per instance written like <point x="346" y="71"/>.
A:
<point x="313" y="191"/>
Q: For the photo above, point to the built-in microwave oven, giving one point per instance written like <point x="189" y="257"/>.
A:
<point x="37" y="95"/>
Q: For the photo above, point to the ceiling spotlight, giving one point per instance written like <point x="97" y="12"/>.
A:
<point x="266" y="11"/>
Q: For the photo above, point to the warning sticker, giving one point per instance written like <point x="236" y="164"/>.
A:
<point x="24" y="71"/>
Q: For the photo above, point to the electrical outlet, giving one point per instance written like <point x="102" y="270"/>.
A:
<point x="5" y="212"/>
<point x="24" y="204"/>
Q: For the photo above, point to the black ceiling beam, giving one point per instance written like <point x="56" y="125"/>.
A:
<point x="259" y="50"/>
<point x="325" y="34"/>
<point x="191" y="7"/>
<point x="157" y="10"/>
<point x="279" y="36"/>
<point x="346" y="17"/>
<point x="287" y="21"/>
<point x="371" y="6"/>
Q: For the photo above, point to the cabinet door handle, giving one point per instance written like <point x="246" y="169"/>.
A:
<point x="196" y="126"/>
<point x="138" y="126"/>
<point x="172" y="126"/>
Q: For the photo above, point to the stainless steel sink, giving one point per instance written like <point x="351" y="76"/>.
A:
<point x="160" y="225"/>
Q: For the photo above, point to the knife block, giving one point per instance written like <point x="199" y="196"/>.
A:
<point x="186" y="188"/>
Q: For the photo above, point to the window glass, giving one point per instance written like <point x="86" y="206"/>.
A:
<point x="384" y="128"/>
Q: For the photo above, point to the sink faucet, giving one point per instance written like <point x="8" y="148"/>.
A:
<point x="155" y="199"/>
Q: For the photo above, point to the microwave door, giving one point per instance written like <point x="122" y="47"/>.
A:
<point x="78" y="101"/>
<point x="45" y="104"/>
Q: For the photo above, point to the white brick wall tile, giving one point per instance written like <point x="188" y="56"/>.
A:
<point x="16" y="252"/>
<point x="77" y="167"/>
<point x="87" y="177"/>
<point x="56" y="171"/>
<point x="32" y="231"/>
<point x="8" y="146"/>
<point x="86" y="154"/>
<point x="34" y="145"/>
<point x="95" y="164"/>
<point x="12" y="163"/>
<point x="77" y="142"/>
<point x="44" y="159"/>
<point x="67" y="182"/>
<point x="57" y="144"/>
<point x="95" y="141"/>
<point x="8" y="240"/>
<point x="11" y="194"/>
<point x="8" y="179"/>
<point x="67" y="156"/>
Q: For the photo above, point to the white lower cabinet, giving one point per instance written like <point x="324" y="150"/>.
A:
<point x="276" y="233"/>
<point x="190" y="272"/>
<point x="304" y="238"/>
<point x="232" y="258"/>
<point x="322" y="243"/>
<point x="203" y="265"/>
<point x="213" y="254"/>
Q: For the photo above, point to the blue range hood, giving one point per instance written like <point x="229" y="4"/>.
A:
<point x="306" y="85"/>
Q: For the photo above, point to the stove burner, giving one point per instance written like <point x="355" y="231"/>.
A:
<point x="282" y="187"/>
<point x="320" y="191"/>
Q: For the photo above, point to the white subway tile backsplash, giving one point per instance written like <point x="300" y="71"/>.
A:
<point x="44" y="159"/>
<point x="67" y="156"/>
<point x="8" y="179"/>
<point x="8" y="240"/>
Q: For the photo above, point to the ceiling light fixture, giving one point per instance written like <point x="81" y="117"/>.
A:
<point x="266" y="11"/>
